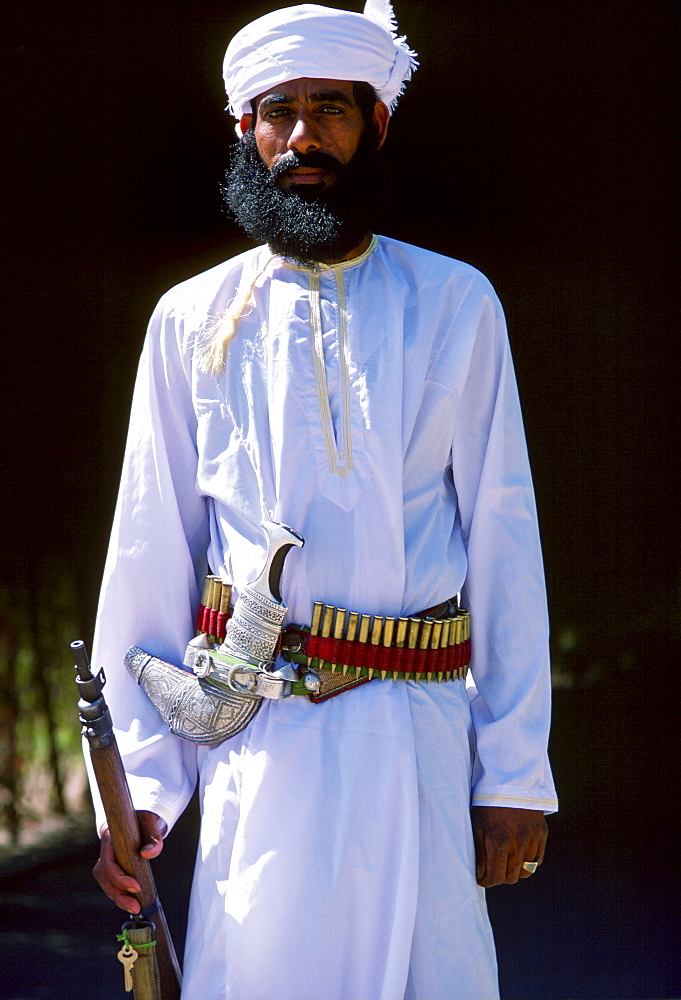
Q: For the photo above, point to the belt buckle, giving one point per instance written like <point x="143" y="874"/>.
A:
<point x="242" y="679"/>
<point x="256" y="682"/>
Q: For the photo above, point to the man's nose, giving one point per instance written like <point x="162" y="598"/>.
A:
<point x="304" y="137"/>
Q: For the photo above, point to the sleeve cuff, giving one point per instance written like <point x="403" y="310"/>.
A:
<point x="148" y="794"/>
<point x="516" y="798"/>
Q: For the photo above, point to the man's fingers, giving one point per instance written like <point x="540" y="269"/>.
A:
<point x="516" y="856"/>
<point x="480" y="852"/>
<point x="152" y="831"/>
<point x="524" y="847"/>
<point x="497" y="844"/>
<point x="122" y="899"/>
<point x="505" y="838"/>
<point x="528" y="845"/>
<point x="535" y="850"/>
<point x="532" y="853"/>
<point x="491" y="851"/>
<point x="118" y="886"/>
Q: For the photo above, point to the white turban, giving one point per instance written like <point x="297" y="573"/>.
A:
<point x="319" y="43"/>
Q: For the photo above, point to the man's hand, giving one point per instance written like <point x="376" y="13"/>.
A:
<point x="504" y="838"/>
<point x="113" y="880"/>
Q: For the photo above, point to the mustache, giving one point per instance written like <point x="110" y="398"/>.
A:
<point x="319" y="161"/>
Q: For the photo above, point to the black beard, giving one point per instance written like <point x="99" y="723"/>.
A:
<point x="304" y="224"/>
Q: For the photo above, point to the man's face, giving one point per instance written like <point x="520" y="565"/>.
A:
<point x="304" y="179"/>
<point x="316" y="121"/>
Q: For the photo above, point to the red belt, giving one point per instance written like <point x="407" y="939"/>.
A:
<point x="348" y="648"/>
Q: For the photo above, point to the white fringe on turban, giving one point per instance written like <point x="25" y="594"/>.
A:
<point x="319" y="43"/>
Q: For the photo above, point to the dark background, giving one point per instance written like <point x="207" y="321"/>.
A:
<point x="539" y="142"/>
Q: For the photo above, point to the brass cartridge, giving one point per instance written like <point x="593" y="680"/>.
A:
<point x="435" y="637"/>
<point x="444" y="644"/>
<point x="400" y="638"/>
<point x="351" y="634"/>
<point x="338" y="629"/>
<point x="376" y="632"/>
<point x="225" y="598"/>
<point x="388" y="630"/>
<point x="364" y="624"/>
<point x="413" y="635"/>
<point x="327" y="624"/>
<point x="424" y="640"/>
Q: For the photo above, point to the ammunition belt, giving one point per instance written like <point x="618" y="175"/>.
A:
<point x="348" y="648"/>
<point x="214" y="610"/>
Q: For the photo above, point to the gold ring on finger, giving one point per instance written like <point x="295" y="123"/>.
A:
<point x="530" y="866"/>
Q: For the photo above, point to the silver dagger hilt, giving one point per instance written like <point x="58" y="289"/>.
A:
<point x="254" y="629"/>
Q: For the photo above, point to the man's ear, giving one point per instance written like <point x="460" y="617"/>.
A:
<point x="244" y="124"/>
<point x="381" y="120"/>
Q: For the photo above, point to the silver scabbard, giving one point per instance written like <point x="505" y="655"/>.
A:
<point x="226" y="685"/>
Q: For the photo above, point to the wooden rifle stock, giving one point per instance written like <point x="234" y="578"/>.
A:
<point x="120" y="813"/>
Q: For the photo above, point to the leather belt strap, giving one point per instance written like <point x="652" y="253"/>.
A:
<point x="348" y="648"/>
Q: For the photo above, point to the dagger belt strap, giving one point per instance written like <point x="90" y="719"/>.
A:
<point x="346" y="649"/>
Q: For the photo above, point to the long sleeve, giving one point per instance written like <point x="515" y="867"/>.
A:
<point x="157" y="552"/>
<point x="504" y="589"/>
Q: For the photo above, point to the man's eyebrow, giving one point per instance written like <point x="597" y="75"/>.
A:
<point x="336" y="96"/>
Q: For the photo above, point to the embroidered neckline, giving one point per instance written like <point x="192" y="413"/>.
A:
<point x="339" y="451"/>
<point x="340" y="266"/>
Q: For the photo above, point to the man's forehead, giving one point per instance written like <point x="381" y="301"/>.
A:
<point x="309" y="90"/>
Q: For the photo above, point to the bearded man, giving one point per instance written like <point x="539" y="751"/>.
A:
<point x="362" y="391"/>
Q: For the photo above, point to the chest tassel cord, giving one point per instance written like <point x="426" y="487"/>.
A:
<point x="211" y="354"/>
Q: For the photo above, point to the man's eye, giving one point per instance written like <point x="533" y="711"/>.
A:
<point x="331" y="109"/>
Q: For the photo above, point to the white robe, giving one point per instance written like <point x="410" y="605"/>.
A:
<point x="372" y="406"/>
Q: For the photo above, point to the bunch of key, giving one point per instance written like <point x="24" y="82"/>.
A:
<point x="127" y="956"/>
<point x="139" y="961"/>
<point x="404" y="648"/>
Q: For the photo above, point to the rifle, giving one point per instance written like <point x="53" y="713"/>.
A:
<point x="148" y="982"/>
